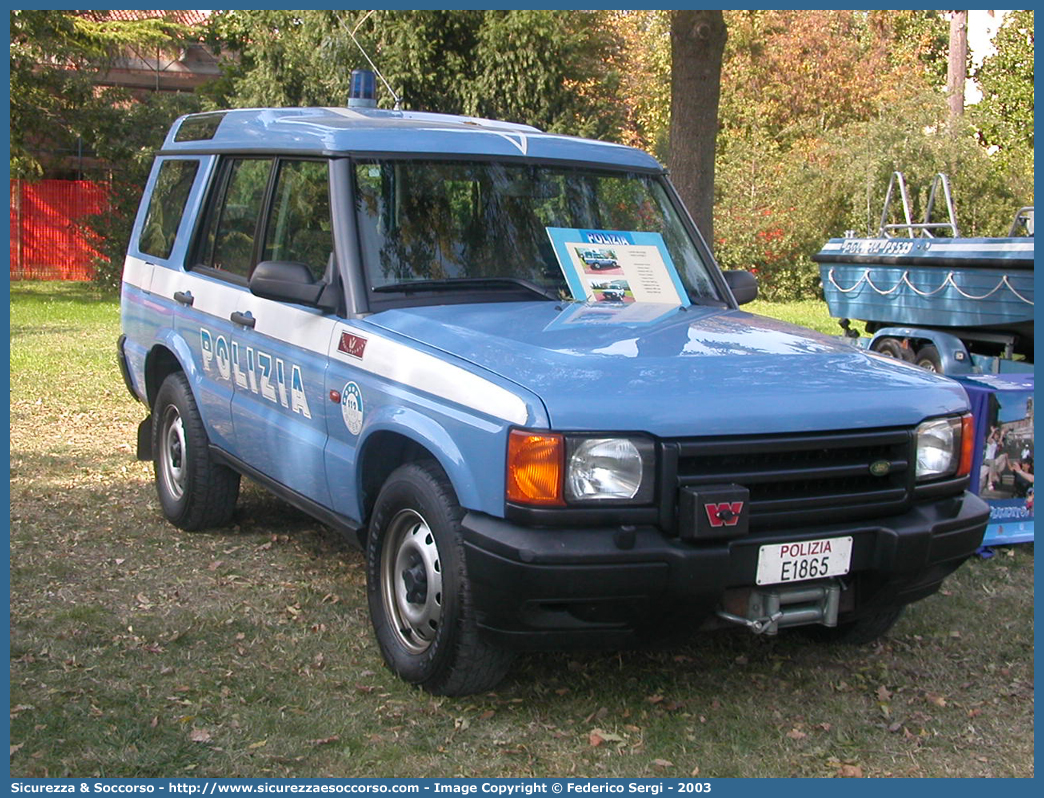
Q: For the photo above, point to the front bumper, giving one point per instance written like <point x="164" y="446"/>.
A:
<point x="543" y="588"/>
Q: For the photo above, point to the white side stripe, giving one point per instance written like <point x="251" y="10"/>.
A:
<point x="312" y="331"/>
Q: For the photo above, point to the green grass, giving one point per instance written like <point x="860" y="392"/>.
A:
<point x="141" y="650"/>
<point x="811" y="313"/>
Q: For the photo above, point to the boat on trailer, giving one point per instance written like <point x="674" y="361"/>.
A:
<point x="925" y="275"/>
<point x="962" y="307"/>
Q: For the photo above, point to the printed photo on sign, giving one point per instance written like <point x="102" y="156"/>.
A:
<point x="597" y="261"/>
<point x="611" y="291"/>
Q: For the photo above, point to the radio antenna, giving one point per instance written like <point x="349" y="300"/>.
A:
<point x="373" y="66"/>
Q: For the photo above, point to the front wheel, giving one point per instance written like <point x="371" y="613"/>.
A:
<point x="194" y="491"/>
<point x="418" y="588"/>
<point x="859" y="632"/>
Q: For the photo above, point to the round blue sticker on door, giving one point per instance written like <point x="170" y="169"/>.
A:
<point x="352" y="408"/>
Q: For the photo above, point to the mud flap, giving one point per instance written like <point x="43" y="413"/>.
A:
<point x="145" y="439"/>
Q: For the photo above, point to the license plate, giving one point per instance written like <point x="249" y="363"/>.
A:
<point x="804" y="559"/>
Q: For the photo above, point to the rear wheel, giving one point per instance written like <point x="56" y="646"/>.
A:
<point x="194" y="491"/>
<point x="418" y="587"/>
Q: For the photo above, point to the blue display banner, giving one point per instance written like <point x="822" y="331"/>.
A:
<point x="1002" y="468"/>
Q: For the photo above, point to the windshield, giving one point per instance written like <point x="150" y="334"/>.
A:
<point x="423" y="223"/>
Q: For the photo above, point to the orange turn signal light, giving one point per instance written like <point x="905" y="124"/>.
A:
<point x="535" y="467"/>
<point x="967" y="445"/>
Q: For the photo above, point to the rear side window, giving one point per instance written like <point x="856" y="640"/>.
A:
<point x="166" y="207"/>
<point x="228" y="241"/>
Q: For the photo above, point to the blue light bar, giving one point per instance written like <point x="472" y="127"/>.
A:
<point x="362" y="92"/>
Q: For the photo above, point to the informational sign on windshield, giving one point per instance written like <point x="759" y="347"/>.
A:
<point x="615" y="266"/>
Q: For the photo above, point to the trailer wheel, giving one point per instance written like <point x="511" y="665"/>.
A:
<point x="928" y="358"/>
<point x="893" y="347"/>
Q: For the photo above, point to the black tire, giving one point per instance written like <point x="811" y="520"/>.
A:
<point x="892" y="347"/>
<point x="857" y="633"/>
<point x="418" y="588"/>
<point x="194" y="491"/>
<point x="927" y="357"/>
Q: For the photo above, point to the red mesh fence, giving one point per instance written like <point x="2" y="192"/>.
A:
<point x="48" y="240"/>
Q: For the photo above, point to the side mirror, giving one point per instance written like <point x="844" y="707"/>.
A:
<point x="743" y="284"/>
<point x="289" y="281"/>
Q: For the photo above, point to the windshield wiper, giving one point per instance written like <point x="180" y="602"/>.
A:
<point x="465" y="284"/>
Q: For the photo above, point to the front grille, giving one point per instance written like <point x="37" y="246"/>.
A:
<point x="807" y="478"/>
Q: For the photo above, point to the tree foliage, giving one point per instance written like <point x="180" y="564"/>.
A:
<point x="55" y="59"/>
<point x="553" y="69"/>
<point x="818" y="109"/>
<point x="1004" y="116"/>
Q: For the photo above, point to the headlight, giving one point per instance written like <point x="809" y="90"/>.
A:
<point x="609" y="469"/>
<point x="944" y="447"/>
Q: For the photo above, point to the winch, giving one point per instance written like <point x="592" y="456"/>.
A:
<point x="771" y="608"/>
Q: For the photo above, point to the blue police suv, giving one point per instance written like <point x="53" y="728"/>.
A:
<point x="382" y="317"/>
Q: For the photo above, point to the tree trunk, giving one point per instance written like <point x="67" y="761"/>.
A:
<point x="697" y="45"/>
<point x="957" y="70"/>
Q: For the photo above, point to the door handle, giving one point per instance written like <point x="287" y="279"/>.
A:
<point x="242" y="318"/>
<point x="184" y="297"/>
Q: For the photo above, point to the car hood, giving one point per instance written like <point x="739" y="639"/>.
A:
<point x="688" y="372"/>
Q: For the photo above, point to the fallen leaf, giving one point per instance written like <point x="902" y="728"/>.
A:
<point x="796" y="734"/>
<point x="16" y="748"/>
<point x="937" y="699"/>
<point x="663" y="763"/>
<point x="258" y="744"/>
<point x="200" y="736"/>
<point x="489" y="713"/>
<point x="825" y="726"/>
<point x="327" y="740"/>
<point x="215" y="565"/>
<point x="599" y="736"/>
<point x="883" y="693"/>
<point x="654" y="699"/>
<point x="154" y="722"/>
<point x="851" y="772"/>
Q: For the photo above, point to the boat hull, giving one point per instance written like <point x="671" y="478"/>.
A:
<point x="980" y="284"/>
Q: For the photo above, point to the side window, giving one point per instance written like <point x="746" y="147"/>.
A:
<point x="166" y="207"/>
<point x="299" y="226"/>
<point x="228" y="240"/>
